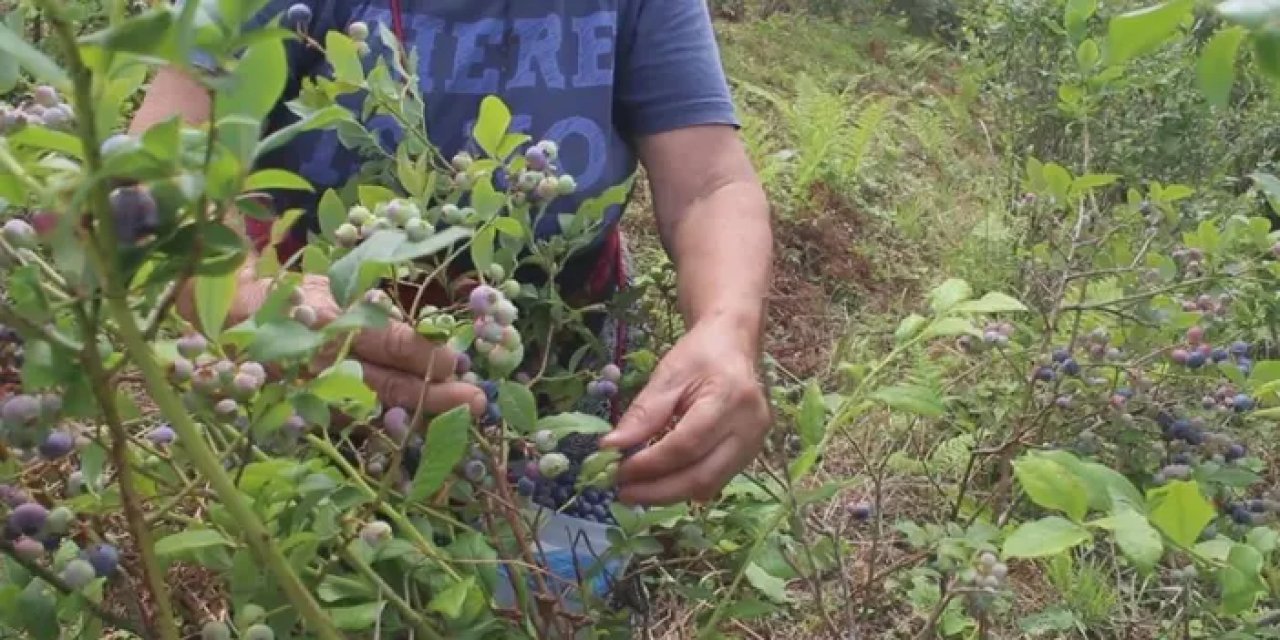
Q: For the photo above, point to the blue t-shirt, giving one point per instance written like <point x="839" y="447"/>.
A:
<point x="591" y="75"/>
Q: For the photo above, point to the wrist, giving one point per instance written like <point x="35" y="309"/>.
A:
<point x="740" y="325"/>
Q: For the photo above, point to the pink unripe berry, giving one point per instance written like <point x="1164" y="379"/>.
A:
<point x="304" y="315"/>
<point x="1205" y="350"/>
<point x="375" y="533"/>
<point x="483" y="298"/>
<point x="182" y="369"/>
<point x="20" y="411"/>
<point x="28" y="549"/>
<point x="510" y="338"/>
<point x="1195" y="335"/>
<point x="1179" y="356"/>
<point x="162" y="435"/>
<point x="295" y="425"/>
<point x="255" y="370"/>
<point x="18" y="233"/>
<point x="46" y="96"/>
<point x="462" y="364"/>
<point x="396" y="423"/>
<point x="226" y="407"/>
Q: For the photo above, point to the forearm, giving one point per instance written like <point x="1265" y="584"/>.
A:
<point x="722" y="246"/>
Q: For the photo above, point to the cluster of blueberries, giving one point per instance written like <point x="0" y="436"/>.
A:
<point x="1197" y="352"/>
<point x="46" y="109"/>
<point x="35" y="531"/>
<point x="556" y="490"/>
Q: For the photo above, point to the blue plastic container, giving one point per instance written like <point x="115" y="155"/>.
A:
<point x="572" y="550"/>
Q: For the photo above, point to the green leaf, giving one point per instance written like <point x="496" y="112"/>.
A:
<point x="318" y="119"/>
<point x="491" y="125"/>
<point x="768" y="585"/>
<point x="1241" y="579"/>
<point x="331" y="212"/>
<point x="37" y="611"/>
<point x="283" y="340"/>
<point x="519" y="408"/>
<point x="948" y="327"/>
<point x="1044" y="537"/>
<point x="48" y="140"/>
<point x="1180" y="511"/>
<point x="355" y="272"/>
<point x="812" y="420"/>
<point x="992" y="302"/>
<point x="914" y="398"/>
<point x="360" y="617"/>
<point x="335" y="588"/>
<point x="908" y="328"/>
<point x="187" y="542"/>
<point x="1216" y="67"/>
<point x="1052" y="486"/>
<point x="482" y="246"/>
<point x="1139" y="541"/>
<point x="948" y="294"/>
<point x="432" y="245"/>
<point x="343" y="385"/>
<point x="445" y="446"/>
<point x="256" y="85"/>
<point x="362" y="315"/>
<point x="341" y="53"/>
<point x="144" y="34"/>
<point x="276" y="179"/>
<point x="449" y="602"/>
<point x="563" y="424"/>
<point x="214" y="295"/>
<point x="1138" y="32"/>
<point x="36" y="63"/>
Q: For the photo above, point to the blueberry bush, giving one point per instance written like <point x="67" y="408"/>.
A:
<point x="1088" y="414"/>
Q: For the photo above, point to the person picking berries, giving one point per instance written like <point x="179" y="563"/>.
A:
<point x="609" y="85"/>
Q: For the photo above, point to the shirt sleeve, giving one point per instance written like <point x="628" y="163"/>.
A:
<point x="299" y="56"/>
<point x="670" y="74"/>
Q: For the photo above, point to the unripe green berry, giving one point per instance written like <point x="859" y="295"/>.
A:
<point x="78" y="573"/>
<point x="347" y="234"/>
<point x="358" y="31"/>
<point x="552" y="465"/>
<point x="250" y="614"/>
<point x="496" y="273"/>
<point x="262" y="631"/>
<point x="359" y="215"/>
<point x="509" y="288"/>
<point x="417" y="230"/>
<point x="215" y="630"/>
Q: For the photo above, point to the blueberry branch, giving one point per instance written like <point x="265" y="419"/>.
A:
<point x="57" y="583"/>
<point x="420" y="624"/>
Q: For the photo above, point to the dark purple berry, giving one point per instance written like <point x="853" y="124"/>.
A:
<point x="57" y="445"/>
<point x="1071" y="367"/>
<point x="861" y="511"/>
<point x="1257" y="506"/>
<point x="135" y="212"/>
<point x="462" y="365"/>
<point x="1240" y="348"/>
<point x="490" y="389"/>
<point x="492" y="414"/>
<point x="104" y="558"/>
<point x="606" y="388"/>
<point x="525" y="486"/>
<point x="396" y="423"/>
<point x="1245" y="365"/>
<point x="20" y="411"/>
<point x="1240" y="514"/>
<point x="28" y="518"/>
<point x="1044" y="374"/>
<point x="474" y="470"/>
<point x="1060" y="355"/>
<point x="1219" y="355"/>
<point x="1234" y="452"/>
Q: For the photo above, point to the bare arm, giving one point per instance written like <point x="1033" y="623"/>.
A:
<point x="172" y="92"/>
<point x="714" y="222"/>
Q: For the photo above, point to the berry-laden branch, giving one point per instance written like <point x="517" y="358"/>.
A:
<point x="61" y="585"/>
<point x="141" y="353"/>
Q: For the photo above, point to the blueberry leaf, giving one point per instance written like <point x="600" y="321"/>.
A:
<point x="563" y="424"/>
<point x="1052" y="486"/>
<point x="1044" y="537"/>
<point x="1138" y="540"/>
<point x="1180" y="511"/>
<point x="518" y="405"/>
<point x="445" y="446"/>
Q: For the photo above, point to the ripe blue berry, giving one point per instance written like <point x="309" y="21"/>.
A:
<point x="1060" y="355"/>
<point x="28" y="518"/>
<point x="1242" y="402"/>
<point x="861" y="511"/>
<point x="117" y="143"/>
<point x="1071" y="367"/>
<point x="1240" y="514"/>
<point x="104" y="558"/>
<point x="1245" y="365"/>
<point x="56" y="445"/>
<point x="1195" y="360"/>
<point x="490" y="389"/>
<point x="135" y="212"/>
<point x="77" y="573"/>
<point x="606" y="388"/>
<point x="298" y="16"/>
<point x="474" y="470"/>
<point x="20" y="411"/>
<point x="525" y="486"/>
<point x="1044" y="374"/>
<point x="1234" y="452"/>
<point x="1240" y="348"/>
<point x="492" y="414"/>
<point x="1219" y="355"/>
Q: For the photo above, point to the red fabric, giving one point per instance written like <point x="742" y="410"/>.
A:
<point x="397" y="22"/>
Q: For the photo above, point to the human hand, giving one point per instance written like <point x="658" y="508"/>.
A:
<point x="399" y="365"/>
<point x="707" y="387"/>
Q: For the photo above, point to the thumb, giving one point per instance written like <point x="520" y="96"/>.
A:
<point x="648" y="415"/>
